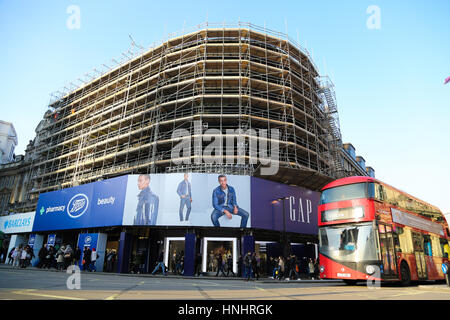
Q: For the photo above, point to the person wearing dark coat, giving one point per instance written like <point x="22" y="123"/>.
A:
<point x="77" y="256"/>
<point x="87" y="258"/>
<point x="220" y="265"/>
<point x="42" y="254"/>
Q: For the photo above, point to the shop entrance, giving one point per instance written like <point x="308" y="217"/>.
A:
<point x="173" y="252"/>
<point x="213" y="247"/>
<point x="112" y="247"/>
<point x="265" y="266"/>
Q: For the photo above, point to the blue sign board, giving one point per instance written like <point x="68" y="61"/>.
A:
<point x="31" y="240"/>
<point x="51" y="239"/>
<point x="444" y="268"/>
<point x="96" y="204"/>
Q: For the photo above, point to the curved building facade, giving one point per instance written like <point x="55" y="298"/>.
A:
<point x="145" y="156"/>
<point x="202" y="84"/>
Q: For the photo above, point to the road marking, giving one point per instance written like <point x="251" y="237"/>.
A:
<point x="29" y="293"/>
<point x="112" y="297"/>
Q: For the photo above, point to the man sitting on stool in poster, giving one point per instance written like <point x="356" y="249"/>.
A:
<point x="224" y="203"/>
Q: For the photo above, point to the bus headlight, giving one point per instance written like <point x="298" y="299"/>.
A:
<point x="370" y="269"/>
<point x="322" y="269"/>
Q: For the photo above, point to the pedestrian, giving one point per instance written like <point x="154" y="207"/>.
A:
<point x="51" y="257"/>
<point x="281" y="268"/>
<point x="30" y="256"/>
<point x="16" y="256"/>
<point x="94" y="257"/>
<point x="177" y="263"/>
<point x="160" y="264"/>
<point x="220" y="265"/>
<point x="211" y="259"/>
<point x="41" y="255"/>
<point x="23" y="257"/>
<point x="311" y="269"/>
<point x="293" y="268"/>
<point x="255" y="266"/>
<point x="87" y="259"/>
<point x="248" y="272"/>
<point x="230" y="265"/>
<point x="68" y="256"/>
<point x="316" y="269"/>
<point x="77" y="256"/>
<point x="60" y="258"/>
<point x="240" y="264"/>
<point x="109" y="261"/>
<point x="10" y="256"/>
<point x="276" y="268"/>
<point x="198" y="264"/>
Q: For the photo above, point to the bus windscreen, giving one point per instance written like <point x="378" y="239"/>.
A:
<point x="342" y="193"/>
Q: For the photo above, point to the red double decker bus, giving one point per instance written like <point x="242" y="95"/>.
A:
<point x="370" y="230"/>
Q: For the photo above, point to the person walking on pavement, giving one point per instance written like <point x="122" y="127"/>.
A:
<point x="42" y="254"/>
<point x="60" y="258"/>
<point x="94" y="257"/>
<point x="255" y="266"/>
<point x="220" y="265"/>
<point x="248" y="266"/>
<point x="281" y="268"/>
<point x="230" y="265"/>
<point x="160" y="264"/>
<point x="10" y="256"/>
<point x="198" y="264"/>
<point x="68" y="256"/>
<point x="16" y="256"/>
<point x="87" y="259"/>
<point x="77" y="256"/>
<point x="293" y="268"/>
<point x="311" y="269"/>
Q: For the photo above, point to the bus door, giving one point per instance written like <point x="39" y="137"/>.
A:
<point x="419" y="254"/>
<point x="387" y="250"/>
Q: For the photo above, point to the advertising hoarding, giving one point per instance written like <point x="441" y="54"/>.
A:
<point x="95" y="204"/>
<point x="179" y="199"/>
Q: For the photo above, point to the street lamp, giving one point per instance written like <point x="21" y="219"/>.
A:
<point x="284" y="241"/>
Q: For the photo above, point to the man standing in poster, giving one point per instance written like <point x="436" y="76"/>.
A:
<point x="147" y="207"/>
<point x="225" y="203"/>
<point x="184" y="191"/>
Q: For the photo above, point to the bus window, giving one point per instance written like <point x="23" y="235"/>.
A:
<point x="346" y="192"/>
<point x="427" y="245"/>
<point x="445" y="248"/>
<point x="404" y="236"/>
<point x="379" y="192"/>
<point x="437" y="251"/>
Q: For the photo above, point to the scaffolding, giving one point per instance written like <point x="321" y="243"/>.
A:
<point x="225" y="77"/>
<point x="330" y="120"/>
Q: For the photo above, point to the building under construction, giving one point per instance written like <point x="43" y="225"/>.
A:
<point x="242" y="77"/>
<point x="200" y="89"/>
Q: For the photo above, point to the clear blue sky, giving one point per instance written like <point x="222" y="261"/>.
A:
<point x="392" y="103"/>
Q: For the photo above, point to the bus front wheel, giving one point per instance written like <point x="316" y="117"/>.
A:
<point x="405" y="274"/>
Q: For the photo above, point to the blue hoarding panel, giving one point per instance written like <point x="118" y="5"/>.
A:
<point x="95" y="204"/>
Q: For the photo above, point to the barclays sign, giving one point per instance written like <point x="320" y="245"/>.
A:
<point x="17" y="223"/>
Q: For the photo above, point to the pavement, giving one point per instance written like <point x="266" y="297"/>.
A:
<point x="32" y="283"/>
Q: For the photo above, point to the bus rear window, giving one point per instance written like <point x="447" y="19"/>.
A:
<point x="347" y="192"/>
